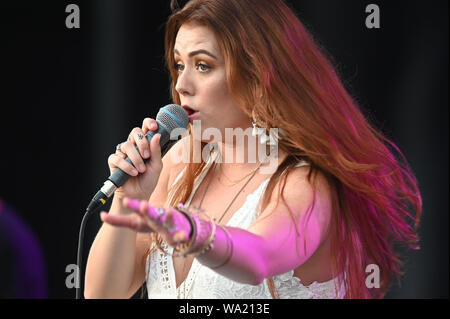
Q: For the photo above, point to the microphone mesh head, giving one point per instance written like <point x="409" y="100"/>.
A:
<point x="172" y="116"/>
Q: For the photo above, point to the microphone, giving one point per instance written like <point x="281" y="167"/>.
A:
<point x="169" y="117"/>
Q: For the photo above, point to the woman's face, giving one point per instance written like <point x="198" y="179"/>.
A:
<point x="202" y="83"/>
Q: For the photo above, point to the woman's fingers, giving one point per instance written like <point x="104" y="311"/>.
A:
<point x="155" y="150"/>
<point x="137" y="135"/>
<point x="129" y="148"/>
<point x="131" y="221"/>
<point x="139" y="206"/>
<point x="120" y="154"/>
<point x="143" y="209"/>
<point x="171" y="224"/>
<point x="115" y="160"/>
<point x="149" y="124"/>
<point x="153" y="217"/>
<point x="137" y="149"/>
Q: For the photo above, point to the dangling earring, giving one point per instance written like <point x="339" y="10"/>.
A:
<point x="258" y="131"/>
<point x="270" y="139"/>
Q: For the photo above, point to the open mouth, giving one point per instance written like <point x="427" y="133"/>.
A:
<point x="188" y="110"/>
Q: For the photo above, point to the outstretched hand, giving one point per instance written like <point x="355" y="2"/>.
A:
<point x="172" y="225"/>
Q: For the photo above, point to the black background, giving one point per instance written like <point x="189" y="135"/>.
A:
<point x="68" y="96"/>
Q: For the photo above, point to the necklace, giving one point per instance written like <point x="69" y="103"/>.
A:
<point x="221" y="217"/>
<point x="253" y="173"/>
<point x="232" y="183"/>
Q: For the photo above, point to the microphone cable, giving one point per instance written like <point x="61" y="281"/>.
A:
<point x="86" y="216"/>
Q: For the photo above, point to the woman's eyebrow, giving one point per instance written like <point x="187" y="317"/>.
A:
<point x="193" y="53"/>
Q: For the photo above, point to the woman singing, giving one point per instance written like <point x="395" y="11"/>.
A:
<point x="328" y="201"/>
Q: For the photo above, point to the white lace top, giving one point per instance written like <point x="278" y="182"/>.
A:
<point x="204" y="283"/>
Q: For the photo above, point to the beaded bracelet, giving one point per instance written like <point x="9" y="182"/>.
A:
<point x="201" y="237"/>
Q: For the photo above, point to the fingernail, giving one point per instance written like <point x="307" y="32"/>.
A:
<point x="142" y="167"/>
<point x="134" y="172"/>
<point x="146" y="154"/>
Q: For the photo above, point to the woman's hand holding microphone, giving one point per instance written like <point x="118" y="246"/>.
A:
<point x="169" y="223"/>
<point x="144" y="175"/>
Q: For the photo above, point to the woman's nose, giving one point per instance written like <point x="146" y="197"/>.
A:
<point x="184" y="84"/>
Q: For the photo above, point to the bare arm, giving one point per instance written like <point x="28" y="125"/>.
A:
<point x="272" y="245"/>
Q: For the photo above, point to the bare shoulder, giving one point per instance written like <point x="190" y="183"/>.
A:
<point x="299" y="183"/>
<point x="300" y="186"/>
<point x="303" y="194"/>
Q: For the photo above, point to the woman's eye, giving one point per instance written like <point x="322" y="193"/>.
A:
<point x="203" y="67"/>
<point x="178" y="67"/>
<point x="200" y="66"/>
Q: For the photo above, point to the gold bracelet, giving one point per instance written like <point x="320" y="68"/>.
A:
<point x="230" y="247"/>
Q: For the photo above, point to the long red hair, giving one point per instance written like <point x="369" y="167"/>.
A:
<point x="275" y="69"/>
